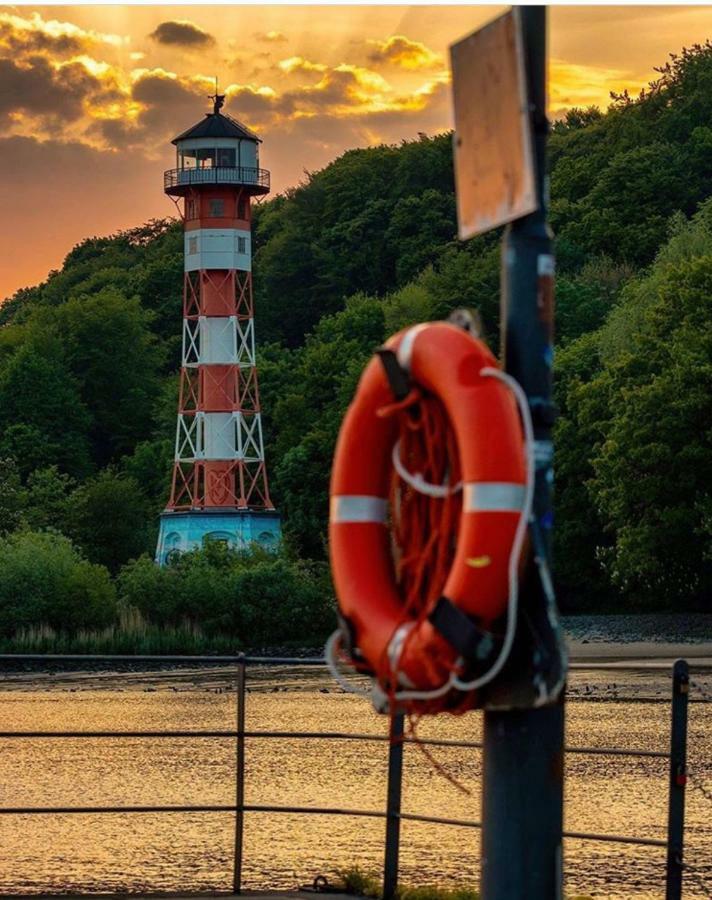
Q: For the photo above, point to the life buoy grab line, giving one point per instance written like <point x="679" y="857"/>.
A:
<point x="429" y="656"/>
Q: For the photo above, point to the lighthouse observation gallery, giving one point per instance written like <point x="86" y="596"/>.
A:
<point x="219" y="487"/>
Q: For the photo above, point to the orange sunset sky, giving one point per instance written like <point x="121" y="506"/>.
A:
<point x="90" y="96"/>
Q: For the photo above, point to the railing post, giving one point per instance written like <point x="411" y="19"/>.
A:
<point x="393" y="807"/>
<point x="678" y="780"/>
<point x="239" y="779"/>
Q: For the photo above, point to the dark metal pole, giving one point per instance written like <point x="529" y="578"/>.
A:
<point x="522" y="793"/>
<point x="678" y="780"/>
<point x="393" y="807"/>
<point x="239" y="780"/>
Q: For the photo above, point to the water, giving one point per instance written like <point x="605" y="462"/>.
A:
<point x="174" y="852"/>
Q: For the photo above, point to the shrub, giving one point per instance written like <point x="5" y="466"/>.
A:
<point x="44" y="581"/>
<point x="257" y="596"/>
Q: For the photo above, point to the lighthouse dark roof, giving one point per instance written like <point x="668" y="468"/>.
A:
<point x="217" y="125"/>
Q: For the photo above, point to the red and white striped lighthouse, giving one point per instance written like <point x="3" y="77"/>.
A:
<point x="220" y="487"/>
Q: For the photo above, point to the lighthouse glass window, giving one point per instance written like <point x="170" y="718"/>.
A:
<point x="216" y="209"/>
<point x="206" y="159"/>
<point x="226" y="157"/>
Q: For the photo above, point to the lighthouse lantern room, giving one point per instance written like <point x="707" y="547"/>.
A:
<point x="219" y="487"/>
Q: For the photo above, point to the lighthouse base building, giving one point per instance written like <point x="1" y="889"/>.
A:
<point x="182" y="532"/>
<point x="219" y="488"/>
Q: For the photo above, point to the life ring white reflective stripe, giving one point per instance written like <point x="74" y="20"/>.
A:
<point x="357" y="508"/>
<point x="405" y="348"/>
<point x="493" y="496"/>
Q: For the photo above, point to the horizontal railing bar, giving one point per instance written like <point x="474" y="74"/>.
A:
<point x="307" y="735"/>
<point x="325" y="735"/>
<point x="624" y="665"/>
<point x="221" y="808"/>
<point x="615" y="751"/>
<point x="122" y="657"/>
<point x="614" y="839"/>
<point x="575" y="835"/>
<point x="304" y="810"/>
<point x="587" y="751"/>
<point x="437" y="820"/>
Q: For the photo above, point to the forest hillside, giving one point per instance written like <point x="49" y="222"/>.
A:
<point x="89" y="362"/>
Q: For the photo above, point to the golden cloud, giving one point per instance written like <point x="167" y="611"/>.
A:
<point x="577" y="85"/>
<point x="299" y="64"/>
<point x="33" y="34"/>
<point x="271" y="37"/>
<point x="401" y="51"/>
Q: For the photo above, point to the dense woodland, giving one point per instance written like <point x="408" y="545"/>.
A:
<point x="89" y="360"/>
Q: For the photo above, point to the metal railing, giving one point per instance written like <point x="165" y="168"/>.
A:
<point x="396" y="739"/>
<point x="237" y="175"/>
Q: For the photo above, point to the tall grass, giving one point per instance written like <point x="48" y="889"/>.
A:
<point x="131" y="634"/>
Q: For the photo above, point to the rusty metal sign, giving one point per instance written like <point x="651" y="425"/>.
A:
<point x="494" y="162"/>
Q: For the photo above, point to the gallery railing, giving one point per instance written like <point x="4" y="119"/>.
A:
<point x="393" y="815"/>
<point x="234" y="175"/>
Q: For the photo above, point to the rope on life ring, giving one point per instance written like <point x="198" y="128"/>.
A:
<point x="422" y="625"/>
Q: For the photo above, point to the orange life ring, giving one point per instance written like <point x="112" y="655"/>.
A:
<point x="449" y="363"/>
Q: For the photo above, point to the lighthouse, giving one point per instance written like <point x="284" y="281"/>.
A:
<point x="219" y="487"/>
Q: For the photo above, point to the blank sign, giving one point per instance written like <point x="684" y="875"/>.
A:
<point x="494" y="168"/>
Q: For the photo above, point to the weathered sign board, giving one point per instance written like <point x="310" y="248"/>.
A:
<point x="494" y="162"/>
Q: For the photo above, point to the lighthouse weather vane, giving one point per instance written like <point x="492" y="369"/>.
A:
<point x="217" y="98"/>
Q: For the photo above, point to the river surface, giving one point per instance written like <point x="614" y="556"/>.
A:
<point x="193" y="851"/>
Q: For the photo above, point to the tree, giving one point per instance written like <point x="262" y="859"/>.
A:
<point x="43" y="420"/>
<point x="11" y="496"/>
<point x="111" y="520"/>
<point x="653" y="471"/>
<point x="48" y="499"/>
<point x="115" y="359"/>
<point x="44" y="581"/>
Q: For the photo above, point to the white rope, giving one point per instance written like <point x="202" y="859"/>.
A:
<point x="519" y="535"/>
<point x="330" y="654"/>
<point x="417" y="482"/>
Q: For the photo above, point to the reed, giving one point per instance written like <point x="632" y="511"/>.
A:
<point x="131" y="634"/>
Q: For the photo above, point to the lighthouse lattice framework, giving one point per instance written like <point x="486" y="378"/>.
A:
<point x="219" y="488"/>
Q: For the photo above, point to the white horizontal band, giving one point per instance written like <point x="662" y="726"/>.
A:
<point x="357" y="508"/>
<point x="493" y="496"/>
<point x="405" y="351"/>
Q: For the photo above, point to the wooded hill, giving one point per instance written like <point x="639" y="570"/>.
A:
<point x="88" y="359"/>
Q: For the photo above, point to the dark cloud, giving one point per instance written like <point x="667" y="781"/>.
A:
<point x="37" y="87"/>
<point x="182" y="33"/>
<point x="170" y="106"/>
<point x="33" y="39"/>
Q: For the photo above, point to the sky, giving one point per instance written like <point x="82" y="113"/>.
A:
<point x="91" y="96"/>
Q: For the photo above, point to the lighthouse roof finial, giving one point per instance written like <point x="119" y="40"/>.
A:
<point x="217" y="98"/>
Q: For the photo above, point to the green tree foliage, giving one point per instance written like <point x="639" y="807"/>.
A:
<point x="653" y="471"/>
<point x="43" y="419"/>
<point x="44" y="581"/>
<point x="109" y="518"/>
<point x="48" y="500"/>
<point x="260" y="597"/>
<point x="634" y="455"/>
<point x="115" y="359"/>
<point x="366" y="223"/>
<point x="11" y="500"/>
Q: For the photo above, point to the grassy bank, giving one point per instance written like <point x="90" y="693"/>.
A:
<point x="364" y="884"/>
